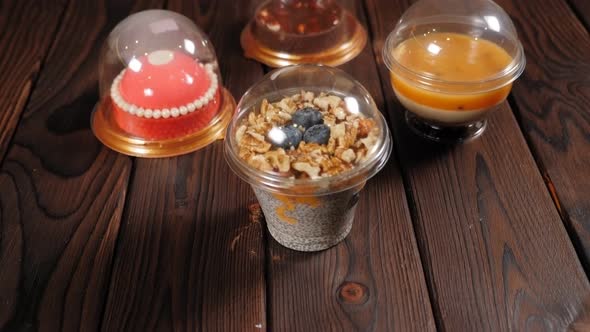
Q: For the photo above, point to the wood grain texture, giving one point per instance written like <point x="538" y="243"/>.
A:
<point x="552" y="98"/>
<point x="372" y="281"/>
<point x="61" y="193"/>
<point x="189" y="257"/>
<point x="497" y="255"/>
<point x="24" y="47"/>
<point x="582" y="8"/>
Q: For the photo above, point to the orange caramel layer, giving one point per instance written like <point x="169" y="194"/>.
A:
<point x="451" y="102"/>
<point x="451" y="57"/>
<point x="289" y="203"/>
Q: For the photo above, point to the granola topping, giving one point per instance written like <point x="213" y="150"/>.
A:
<point x="276" y="139"/>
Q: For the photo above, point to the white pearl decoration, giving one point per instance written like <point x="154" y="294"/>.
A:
<point x="166" y="113"/>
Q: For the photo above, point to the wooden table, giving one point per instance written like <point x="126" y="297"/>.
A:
<point x="493" y="235"/>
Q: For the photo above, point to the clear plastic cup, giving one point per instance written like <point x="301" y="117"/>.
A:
<point x="452" y="62"/>
<point x="309" y="212"/>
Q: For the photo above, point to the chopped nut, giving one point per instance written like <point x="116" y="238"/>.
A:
<point x="339" y="113"/>
<point x="256" y="135"/>
<point x="245" y="153"/>
<point x="312" y="153"/>
<point x="307" y="96"/>
<point x="260" y="162"/>
<point x="252" y="119"/>
<point x="349" y="137"/>
<point x="279" y="160"/>
<point x="348" y="156"/>
<point x="329" y="120"/>
<point x="264" y="107"/>
<point x="353" y="116"/>
<point x="338" y="130"/>
<point x="297" y="97"/>
<point x="364" y="127"/>
<point x="284" y="116"/>
<point x="312" y="171"/>
<point x="331" y="147"/>
<point x="332" y="166"/>
<point x="286" y="105"/>
<point x="326" y="102"/>
<point x="240" y="133"/>
<point x="371" y="139"/>
<point x="277" y="117"/>
<point x="361" y="154"/>
<point x="254" y="144"/>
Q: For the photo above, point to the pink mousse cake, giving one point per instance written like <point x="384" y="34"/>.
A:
<point x="165" y="95"/>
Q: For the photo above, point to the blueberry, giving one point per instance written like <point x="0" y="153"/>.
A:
<point x="285" y="137"/>
<point x="307" y="117"/>
<point x="317" y="134"/>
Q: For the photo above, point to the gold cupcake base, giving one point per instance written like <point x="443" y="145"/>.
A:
<point x="331" y="56"/>
<point x="109" y="133"/>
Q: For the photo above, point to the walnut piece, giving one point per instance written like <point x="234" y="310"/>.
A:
<point x="364" y="127"/>
<point x="327" y="102"/>
<point x="307" y="96"/>
<point x="349" y="138"/>
<point x="338" y="131"/>
<point x="279" y="160"/>
<point x="240" y="133"/>
<point x="311" y="171"/>
<point x="348" y="156"/>
<point x="339" y="113"/>
<point x="252" y="142"/>
<point x="333" y="166"/>
<point x="260" y="162"/>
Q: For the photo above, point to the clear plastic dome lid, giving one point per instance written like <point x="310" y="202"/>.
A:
<point x="307" y="129"/>
<point x="455" y="46"/>
<point x="288" y="32"/>
<point x="160" y="89"/>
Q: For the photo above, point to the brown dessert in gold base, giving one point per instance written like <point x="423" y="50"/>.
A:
<point x="291" y="32"/>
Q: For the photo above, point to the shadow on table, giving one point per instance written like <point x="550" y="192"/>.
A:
<point x="415" y="151"/>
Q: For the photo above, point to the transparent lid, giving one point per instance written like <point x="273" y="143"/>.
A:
<point x="455" y="45"/>
<point x="310" y="114"/>
<point x="159" y="81"/>
<point x="286" y="32"/>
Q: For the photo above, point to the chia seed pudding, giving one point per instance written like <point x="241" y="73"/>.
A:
<point x="307" y="155"/>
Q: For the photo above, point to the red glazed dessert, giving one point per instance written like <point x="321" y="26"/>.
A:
<point x="161" y="93"/>
<point x="165" y="94"/>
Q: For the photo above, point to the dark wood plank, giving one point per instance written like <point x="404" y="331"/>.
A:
<point x="373" y="281"/>
<point x="61" y="193"/>
<point x="497" y="254"/>
<point x="189" y="257"/>
<point x="24" y="47"/>
<point x="552" y="100"/>
<point x="582" y="8"/>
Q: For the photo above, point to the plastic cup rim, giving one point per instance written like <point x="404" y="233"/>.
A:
<point x="324" y="185"/>
<point x="502" y="78"/>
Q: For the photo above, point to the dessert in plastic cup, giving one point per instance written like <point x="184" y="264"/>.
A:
<point x="451" y="63"/>
<point x="307" y="138"/>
